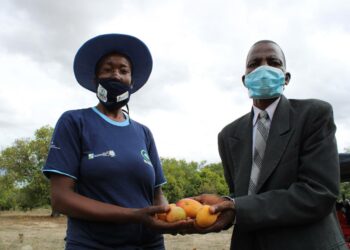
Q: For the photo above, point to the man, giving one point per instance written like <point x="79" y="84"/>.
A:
<point x="280" y="163"/>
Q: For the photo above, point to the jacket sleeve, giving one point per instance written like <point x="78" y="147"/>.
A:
<point x="226" y="163"/>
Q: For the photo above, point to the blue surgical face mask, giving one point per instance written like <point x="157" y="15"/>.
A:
<point x="112" y="94"/>
<point x="265" y="82"/>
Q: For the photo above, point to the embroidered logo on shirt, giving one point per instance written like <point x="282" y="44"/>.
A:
<point x="146" y="158"/>
<point x="109" y="153"/>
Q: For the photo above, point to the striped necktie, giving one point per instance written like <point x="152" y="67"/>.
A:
<point x="261" y="134"/>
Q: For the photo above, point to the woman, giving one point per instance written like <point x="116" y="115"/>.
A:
<point x="104" y="168"/>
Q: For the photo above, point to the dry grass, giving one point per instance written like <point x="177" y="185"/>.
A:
<point x="36" y="230"/>
<point x="31" y="230"/>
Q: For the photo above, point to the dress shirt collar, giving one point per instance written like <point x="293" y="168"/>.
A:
<point x="270" y="110"/>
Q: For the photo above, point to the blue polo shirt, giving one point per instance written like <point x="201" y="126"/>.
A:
<point x="112" y="162"/>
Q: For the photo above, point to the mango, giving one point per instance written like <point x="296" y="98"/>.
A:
<point x="204" y="218"/>
<point x="190" y="206"/>
<point x="175" y="214"/>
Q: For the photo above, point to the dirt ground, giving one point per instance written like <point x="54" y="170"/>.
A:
<point x="36" y="230"/>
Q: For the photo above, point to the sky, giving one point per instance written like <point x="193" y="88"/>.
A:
<point x="199" y="49"/>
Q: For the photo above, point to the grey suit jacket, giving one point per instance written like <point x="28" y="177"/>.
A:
<point x="298" y="183"/>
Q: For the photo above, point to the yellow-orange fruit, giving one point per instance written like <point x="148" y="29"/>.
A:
<point x="204" y="218"/>
<point x="190" y="206"/>
<point x="175" y="214"/>
<point x="162" y="216"/>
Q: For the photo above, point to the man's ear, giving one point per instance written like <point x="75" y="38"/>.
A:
<point x="287" y="78"/>
<point x="243" y="77"/>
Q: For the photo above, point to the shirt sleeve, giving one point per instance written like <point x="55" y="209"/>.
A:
<point x="65" y="151"/>
<point x="153" y="154"/>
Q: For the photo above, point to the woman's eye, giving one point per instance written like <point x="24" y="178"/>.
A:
<point x="125" y="71"/>
<point x="104" y="70"/>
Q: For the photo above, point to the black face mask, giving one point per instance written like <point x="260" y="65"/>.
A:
<point x="112" y="93"/>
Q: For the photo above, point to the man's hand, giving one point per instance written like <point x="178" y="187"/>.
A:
<point x="220" y="205"/>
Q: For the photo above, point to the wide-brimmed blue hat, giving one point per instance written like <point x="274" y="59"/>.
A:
<point x="93" y="50"/>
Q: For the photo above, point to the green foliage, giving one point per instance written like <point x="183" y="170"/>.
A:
<point x="23" y="185"/>
<point x="345" y="186"/>
<point x="7" y="200"/>
<point x="344" y="190"/>
<point x="212" y="180"/>
<point x="182" y="178"/>
<point x="186" y="179"/>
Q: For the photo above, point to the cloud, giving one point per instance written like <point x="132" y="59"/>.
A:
<point x="157" y="93"/>
<point x="199" y="50"/>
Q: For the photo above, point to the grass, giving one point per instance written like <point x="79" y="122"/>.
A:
<point x="36" y="230"/>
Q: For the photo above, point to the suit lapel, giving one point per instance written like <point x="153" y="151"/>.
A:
<point x="241" y="148"/>
<point x="279" y="135"/>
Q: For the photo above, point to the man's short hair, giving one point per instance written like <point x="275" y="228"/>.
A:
<point x="270" y="41"/>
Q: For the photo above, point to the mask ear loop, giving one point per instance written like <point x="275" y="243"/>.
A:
<point x="127" y="111"/>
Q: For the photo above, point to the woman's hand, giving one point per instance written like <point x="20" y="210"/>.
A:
<point x="147" y="216"/>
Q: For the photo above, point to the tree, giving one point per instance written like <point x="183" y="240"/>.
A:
<point x="7" y="200"/>
<point x="345" y="186"/>
<point x="212" y="180"/>
<point x="186" y="179"/>
<point x="26" y="187"/>
<point x="182" y="179"/>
